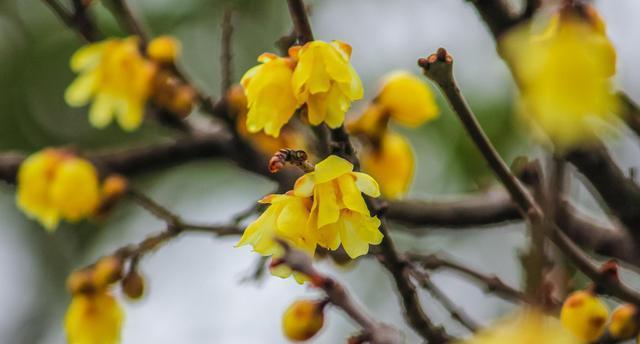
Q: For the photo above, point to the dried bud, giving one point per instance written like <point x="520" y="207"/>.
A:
<point x="183" y="98"/>
<point x="624" y="322"/>
<point x="107" y="270"/>
<point x="584" y="315"/>
<point x="164" y="49"/>
<point x="236" y="100"/>
<point x="114" y="186"/>
<point x="133" y="285"/>
<point x="80" y="281"/>
<point x="303" y="319"/>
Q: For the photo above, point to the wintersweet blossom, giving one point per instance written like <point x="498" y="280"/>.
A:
<point x="525" y="327"/>
<point x="624" y="322"/>
<point x="407" y="99"/>
<point x="339" y="211"/>
<point x="93" y="318"/>
<point x="565" y="77"/>
<point x="584" y="315"/>
<point x="390" y="162"/>
<point x="269" y="92"/>
<point x="325" y="80"/>
<point x="285" y="218"/>
<point x="115" y="76"/>
<point x="54" y="184"/>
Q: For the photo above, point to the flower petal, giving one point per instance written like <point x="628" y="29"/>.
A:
<point x="367" y="184"/>
<point x="330" y="168"/>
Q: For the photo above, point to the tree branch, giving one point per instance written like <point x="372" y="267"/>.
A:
<point x="375" y="332"/>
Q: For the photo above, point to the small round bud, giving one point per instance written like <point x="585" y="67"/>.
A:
<point x="182" y="101"/>
<point x="133" y="285"/>
<point x="80" y="281"/>
<point x="624" y="322"/>
<point x="303" y="319"/>
<point x="584" y="315"/>
<point x="237" y="100"/>
<point x="114" y="186"/>
<point x="164" y="49"/>
<point x="107" y="270"/>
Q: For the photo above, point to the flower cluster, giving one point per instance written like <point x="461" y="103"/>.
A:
<point x="405" y="99"/>
<point x="317" y="74"/>
<point x="565" y="75"/>
<point x="326" y="208"/>
<point x="119" y="79"/>
<point x="54" y="184"/>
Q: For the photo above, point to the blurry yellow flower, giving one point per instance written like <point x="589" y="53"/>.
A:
<point x="390" y="162"/>
<point x="303" y="319"/>
<point x="564" y="76"/>
<point x="584" y="315"/>
<point x="339" y="211"/>
<point x="526" y="327"/>
<point x="116" y="77"/>
<point x="164" y="49"/>
<point x="373" y="122"/>
<point x="285" y="218"/>
<point x="624" y="322"/>
<point x="269" y="92"/>
<point x="94" y="318"/>
<point x="407" y="99"/>
<point x="325" y="80"/>
<point x="54" y="185"/>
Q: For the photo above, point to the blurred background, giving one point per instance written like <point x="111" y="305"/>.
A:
<point x="195" y="292"/>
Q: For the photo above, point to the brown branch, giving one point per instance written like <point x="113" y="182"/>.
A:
<point x="619" y="192"/>
<point x="496" y="14"/>
<point x="492" y="283"/>
<point x="375" y="332"/>
<point x="78" y="19"/>
<point x="439" y="67"/>
<point x="488" y="208"/>
<point x="413" y="312"/>
<point x="300" y="21"/>
<point x="226" y="54"/>
<point x="456" y="312"/>
<point x="124" y="13"/>
<point x="630" y="112"/>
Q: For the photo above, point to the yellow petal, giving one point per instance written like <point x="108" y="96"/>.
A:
<point x="131" y="116"/>
<point x="329" y="236"/>
<point x="326" y="199"/>
<point x="330" y="168"/>
<point x="351" y="196"/>
<point x="81" y="89"/>
<point x="88" y="56"/>
<point x="367" y="184"/>
<point x="407" y="99"/>
<point x="304" y="185"/>
<point x="102" y="110"/>
<point x="95" y="318"/>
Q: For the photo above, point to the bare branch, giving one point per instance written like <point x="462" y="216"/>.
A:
<point x="226" y="54"/>
<point x="375" y="332"/>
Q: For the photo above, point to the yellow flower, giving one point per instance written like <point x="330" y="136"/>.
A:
<point x="372" y="122"/>
<point x="94" y="318"/>
<point x="584" y="315"/>
<point x="325" y="80"/>
<point x="267" y="144"/>
<point x="285" y="218"/>
<point x="564" y="76"/>
<point x="390" y="162"/>
<point x="407" y="99"/>
<point x="339" y="211"/>
<point x="116" y="77"/>
<point x="525" y="327"/>
<point x="53" y="184"/>
<point x="303" y="319"/>
<point x="164" y="49"/>
<point x="269" y="92"/>
<point x="624" y="322"/>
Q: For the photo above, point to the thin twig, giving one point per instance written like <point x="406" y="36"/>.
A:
<point x="125" y="14"/>
<point x="226" y="52"/>
<point x="78" y="20"/>
<point x="454" y="310"/>
<point x="492" y="283"/>
<point x="376" y="332"/>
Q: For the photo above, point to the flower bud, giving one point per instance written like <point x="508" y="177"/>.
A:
<point x="584" y="315"/>
<point x="114" y="186"/>
<point x="164" y="49"/>
<point x="624" y="322"/>
<point x="107" y="270"/>
<point x="80" y="281"/>
<point x="303" y="319"/>
<point x="133" y="285"/>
